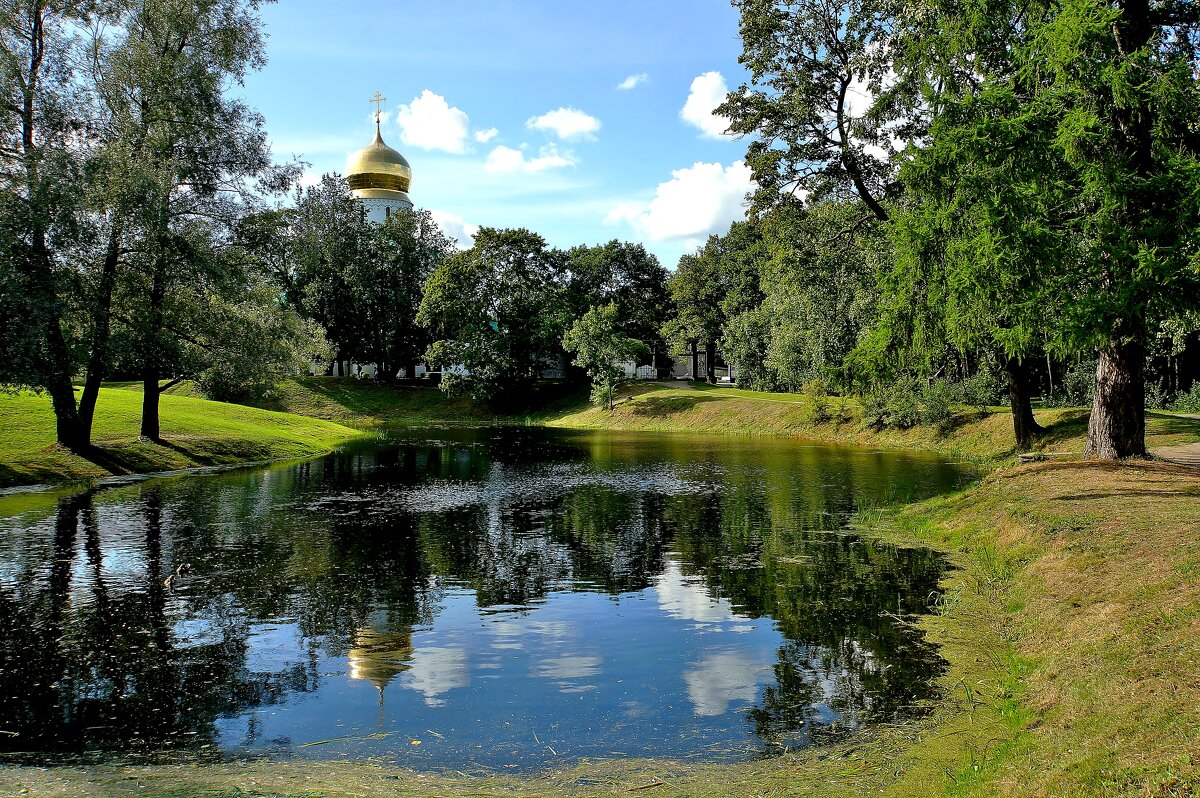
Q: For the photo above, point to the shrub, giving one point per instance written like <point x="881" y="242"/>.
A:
<point x="1188" y="402"/>
<point x="1075" y="389"/>
<point x="818" y="410"/>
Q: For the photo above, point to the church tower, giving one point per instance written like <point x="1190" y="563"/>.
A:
<point x="379" y="176"/>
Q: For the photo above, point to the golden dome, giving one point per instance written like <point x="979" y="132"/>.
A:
<point x="378" y="172"/>
<point x="379" y="655"/>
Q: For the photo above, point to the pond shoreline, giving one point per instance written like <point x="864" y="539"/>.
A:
<point x="312" y="416"/>
<point x="1070" y="624"/>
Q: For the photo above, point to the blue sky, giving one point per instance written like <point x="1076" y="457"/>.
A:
<point x="510" y="112"/>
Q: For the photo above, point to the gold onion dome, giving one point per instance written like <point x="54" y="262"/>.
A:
<point x="378" y="172"/>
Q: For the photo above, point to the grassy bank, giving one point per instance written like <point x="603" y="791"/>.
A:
<point x="1071" y="625"/>
<point x="195" y="432"/>
<point x="697" y="407"/>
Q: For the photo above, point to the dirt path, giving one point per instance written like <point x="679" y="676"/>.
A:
<point x="1188" y="454"/>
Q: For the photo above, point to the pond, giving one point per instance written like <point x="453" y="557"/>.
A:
<point x="470" y="599"/>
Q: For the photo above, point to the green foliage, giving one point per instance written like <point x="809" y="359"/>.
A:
<point x="496" y="314"/>
<point x="625" y="275"/>
<point x="1188" y="402"/>
<point x="600" y="348"/>
<point x="810" y="64"/>
<point x="909" y="401"/>
<point x="1075" y="387"/>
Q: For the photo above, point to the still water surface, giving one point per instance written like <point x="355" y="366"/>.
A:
<point x="470" y="599"/>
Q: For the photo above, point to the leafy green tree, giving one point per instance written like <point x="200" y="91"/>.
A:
<point x="202" y="159"/>
<point x="625" y="275"/>
<point x="41" y="95"/>
<point x="819" y="104"/>
<point x="696" y="293"/>
<point x="329" y="239"/>
<point x="600" y="348"/>
<point x="386" y="285"/>
<point x="1091" y="149"/>
<point x="717" y="282"/>
<point x="496" y="313"/>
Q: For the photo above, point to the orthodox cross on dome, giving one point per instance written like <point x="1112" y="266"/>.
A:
<point x="378" y="100"/>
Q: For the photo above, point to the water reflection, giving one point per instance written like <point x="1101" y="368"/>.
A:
<point x="505" y="597"/>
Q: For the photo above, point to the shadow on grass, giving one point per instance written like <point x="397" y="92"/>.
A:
<point x="1070" y="426"/>
<point x="1169" y="424"/>
<point x="665" y="406"/>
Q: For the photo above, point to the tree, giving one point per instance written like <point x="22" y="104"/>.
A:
<point x="1105" y="94"/>
<point x="496" y="314"/>
<point x="819" y="103"/>
<point x="711" y="285"/>
<point x="201" y="156"/>
<point x="329" y="238"/>
<point x="386" y="285"/>
<point x="696" y="292"/>
<point x="625" y="275"/>
<point x="600" y="348"/>
<point x="41" y="183"/>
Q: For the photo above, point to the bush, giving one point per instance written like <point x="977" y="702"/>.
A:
<point x="1188" y="402"/>
<point x="818" y="410"/>
<point x="910" y="401"/>
<point x="1075" y="389"/>
<point x="936" y="402"/>
<point x="983" y="390"/>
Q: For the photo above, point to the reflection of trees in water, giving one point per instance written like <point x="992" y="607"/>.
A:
<point x="834" y="597"/>
<point x="92" y="659"/>
<point x="84" y="665"/>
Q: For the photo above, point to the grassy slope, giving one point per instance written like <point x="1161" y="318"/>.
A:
<point x="696" y="407"/>
<point x="357" y="403"/>
<point x="1072" y="670"/>
<point x="195" y="432"/>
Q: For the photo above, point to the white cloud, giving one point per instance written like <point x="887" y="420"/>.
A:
<point x="456" y="227"/>
<point x="506" y="159"/>
<point x="484" y="136"/>
<point x="569" y="667"/>
<point x="707" y="92"/>
<point x="566" y="123"/>
<point x="429" y="122"/>
<point x="632" y="81"/>
<point x="696" y="202"/>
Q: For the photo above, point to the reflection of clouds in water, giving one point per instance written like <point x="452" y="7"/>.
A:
<point x="437" y="670"/>
<point x="687" y="598"/>
<point x="719" y="679"/>
<point x="576" y="667"/>
<point x="508" y="483"/>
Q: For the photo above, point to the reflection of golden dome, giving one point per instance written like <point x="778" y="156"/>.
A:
<point x="379" y="656"/>
<point x="378" y="172"/>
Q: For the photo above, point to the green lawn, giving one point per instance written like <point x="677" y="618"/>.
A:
<point x="195" y="432"/>
<point x="983" y="435"/>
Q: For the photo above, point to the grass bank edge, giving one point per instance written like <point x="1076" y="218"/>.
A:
<point x="196" y="433"/>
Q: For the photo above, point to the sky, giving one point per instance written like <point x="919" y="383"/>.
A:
<point x="582" y="122"/>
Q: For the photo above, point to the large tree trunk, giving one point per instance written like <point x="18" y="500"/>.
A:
<point x="710" y="361"/>
<point x="152" y="352"/>
<point x="1117" y="428"/>
<point x="97" y="368"/>
<point x="150" y="394"/>
<point x="695" y="362"/>
<point x="57" y="379"/>
<point x="1025" y="426"/>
